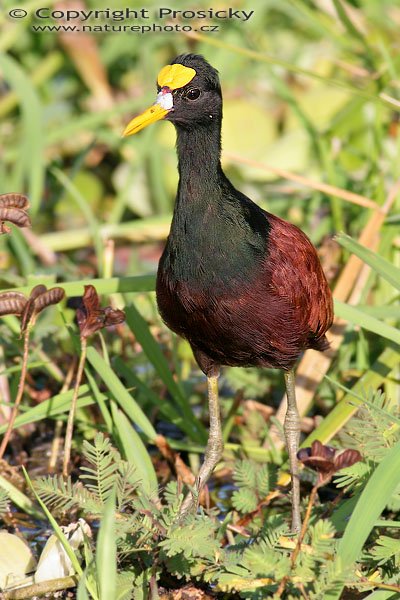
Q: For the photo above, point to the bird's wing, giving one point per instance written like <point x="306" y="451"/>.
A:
<point x="296" y="274"/>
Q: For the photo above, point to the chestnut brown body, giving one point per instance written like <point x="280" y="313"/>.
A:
<point x="268" y="318"/>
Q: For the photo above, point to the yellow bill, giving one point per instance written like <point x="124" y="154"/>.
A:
<point x="171" y="77"/>
<point x="151" y="115"/>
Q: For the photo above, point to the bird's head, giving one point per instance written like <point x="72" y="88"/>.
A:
<point x="189" y="94"/>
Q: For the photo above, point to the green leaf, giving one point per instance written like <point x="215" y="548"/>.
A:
<point x="244" y="500"/>
<point x="135" y="451"/>
<point x="106" y="554"/>
<point x="382" y="266"/>
<point x="52" y="407"/>
<point x="110" y="285"/>
<point x="19" y="498"/>
<point x="120" y="393"/>
<point x="366" y="321"/>
<point x="165" y="408"/>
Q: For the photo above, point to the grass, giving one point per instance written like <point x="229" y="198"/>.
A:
<point x="324" y="154"/>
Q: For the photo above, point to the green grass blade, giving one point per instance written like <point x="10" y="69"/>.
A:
<point x="134" y="450"/>
<point x="375" y="496"/>
<point x="53" y="407"/>
<point x="164" y="407"/>
<point x="81" y="593"/>
<point x="382" y="266"/>
<point x="366" y="321"/>
<point x="106" y="554"/>
<point x="120" y="393"/>
<point x="124" y="285"/>
<point x="19" y="499"/>
<point x="153" y="352"/>
<point x="100" y="400"/>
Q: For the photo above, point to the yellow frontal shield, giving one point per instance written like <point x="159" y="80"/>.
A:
<point x="175" y="76"/>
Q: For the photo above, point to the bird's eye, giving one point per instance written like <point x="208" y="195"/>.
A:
<point x="193" y="94"/>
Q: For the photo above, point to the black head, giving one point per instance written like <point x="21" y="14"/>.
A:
<point x="189" y="95"/>
<point x="199" y="102"/>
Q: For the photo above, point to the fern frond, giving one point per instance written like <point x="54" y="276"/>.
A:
<point x="356" y="474"/>
<point x="245" y="474"/>
<point x="322" y="540"/>
<point x="100" y="478"/>
<point x="329" y="581"/>
<point x="266" y="478"/>
<point x="63" y="495"/>
<point x="374" y="429"/>
<point x="263" y="561"/>
<point x="244" y="500"/>
<point x="127" y="483"/>
<point x="272" y="530"/>
<point x="193" y="539"/>
<point x="387" y="548"/>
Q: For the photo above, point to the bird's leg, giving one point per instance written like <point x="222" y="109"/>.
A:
<point x="292" y="436"/>
<point x="214" y="447"/>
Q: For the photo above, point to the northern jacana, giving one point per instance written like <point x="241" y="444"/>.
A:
<point x="243" y="286"/>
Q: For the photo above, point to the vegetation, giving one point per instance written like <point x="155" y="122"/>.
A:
<point x="311" y="132"/>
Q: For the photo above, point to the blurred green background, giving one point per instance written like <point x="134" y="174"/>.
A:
<point x="311" y="87"/>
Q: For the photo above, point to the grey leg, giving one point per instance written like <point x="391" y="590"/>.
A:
<point x="213" y="450"/>
<point x="292" y="436"/>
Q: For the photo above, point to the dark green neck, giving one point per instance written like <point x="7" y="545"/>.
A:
<point x="199" y="166"/>
<point x="217" y="234"/>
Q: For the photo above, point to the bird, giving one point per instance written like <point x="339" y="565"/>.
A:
<point x="241" y="285"/>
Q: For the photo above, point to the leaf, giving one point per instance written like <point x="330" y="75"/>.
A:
<point x="57" y="529"/>
<point x="195" y="539"/>
<point x="61" y="494"/>
<point x="135" y="451"/>
<point x="101" y="476"/>
<point x="31" y="154"/>
<point x="106" y="553"/>
<point x="244" y="500"/>
<point x="379" y="264"/>
<point x="385" y="549"/>
<point x="19" y="498"/>
<point x="361" y="318"/>
<point x="245" y="474"/>
<point x="120" y="393"/>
